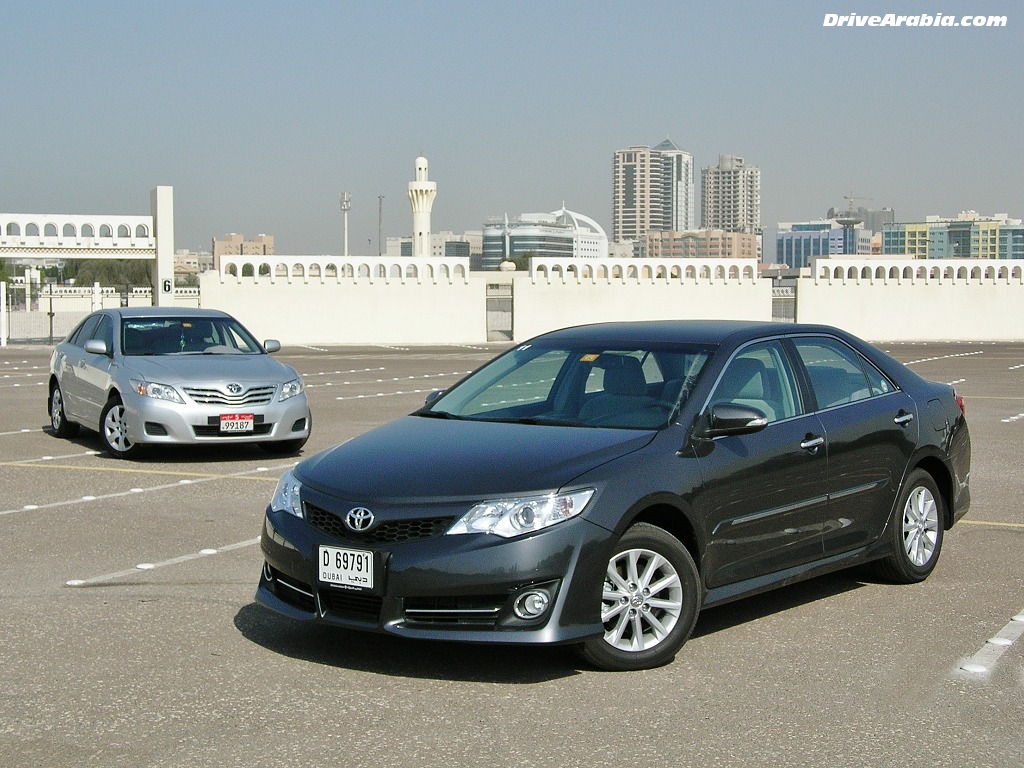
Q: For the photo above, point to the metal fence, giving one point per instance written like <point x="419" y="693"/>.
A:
<point x="45" y="314"/>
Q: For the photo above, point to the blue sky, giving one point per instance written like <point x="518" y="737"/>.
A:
<point x="260" y="114"/>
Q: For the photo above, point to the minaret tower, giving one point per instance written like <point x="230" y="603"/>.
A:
<point x="421" y="196"/>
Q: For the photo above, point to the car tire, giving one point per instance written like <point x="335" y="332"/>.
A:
<point x="59" y="423"/>
<point x="916" y="531"/>
<point x="644" y="628"/>
<point x="114" y="430"/>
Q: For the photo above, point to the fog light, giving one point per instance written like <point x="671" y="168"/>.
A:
<point x="532" y="604"/>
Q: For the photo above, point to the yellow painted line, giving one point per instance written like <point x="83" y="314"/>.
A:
<point x="134" y="471"/>
<point x="991" y="525"/>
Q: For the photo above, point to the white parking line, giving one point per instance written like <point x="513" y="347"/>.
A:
<point x="163" y="564"/>
<point x="132" y="491"/>
<point x="945" y="357"/>
<point x="985" y="659"/>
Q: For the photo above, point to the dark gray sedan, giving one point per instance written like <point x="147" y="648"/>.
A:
<point x="150" y="376"/>
<point x="599" y="485"/>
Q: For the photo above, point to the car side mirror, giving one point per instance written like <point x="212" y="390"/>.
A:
<point x="97" y="347"/>
<point x="433" y="397"/>
<point x="730" y="419"/>
<point x="272" y="346"/>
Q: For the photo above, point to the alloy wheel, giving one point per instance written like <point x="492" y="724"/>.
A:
<point x="642" y="600"/>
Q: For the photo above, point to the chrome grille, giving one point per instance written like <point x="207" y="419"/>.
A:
<point x="251" y="396"/>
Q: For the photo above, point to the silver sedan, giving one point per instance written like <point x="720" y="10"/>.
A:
<point x="152" y="375"/>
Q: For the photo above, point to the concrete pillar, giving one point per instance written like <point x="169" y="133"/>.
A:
<point x="161" y="203"/>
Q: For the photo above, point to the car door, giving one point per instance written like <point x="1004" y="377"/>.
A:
<point x="68" y="364"/>
<point x="93" y="373"/>
<point x="871" y="430"/>
<point x="763" y="497"/>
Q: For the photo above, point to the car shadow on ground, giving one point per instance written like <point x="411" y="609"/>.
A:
<point x="516" y="665"/>
<point x="180" y="454"/>
<point x="401" y="657"/>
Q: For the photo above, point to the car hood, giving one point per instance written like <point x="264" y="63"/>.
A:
<point x="190" y="369"/>
<point x="419" y="459"/>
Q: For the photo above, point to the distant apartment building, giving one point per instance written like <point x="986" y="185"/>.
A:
<point x="560" y="234"/>
<point x="968" y="236"/>
<point x="468" y="245"/>
<point x="236" y="245"/>
<point x="731" y="196"/>
<point x="652" y="191"/>
<point x="192" y="262"/>
<point x="872" y="219"/>
<point x="797" y="244"/>
<point x="702" y="244"/>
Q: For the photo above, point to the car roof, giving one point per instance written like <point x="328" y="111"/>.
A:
<point x="133" y="312"/>
<point x="684" y="331"/>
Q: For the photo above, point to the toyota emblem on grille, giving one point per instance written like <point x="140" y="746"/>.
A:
<point x="234" y="389"/>
<point x="359" y="519"/>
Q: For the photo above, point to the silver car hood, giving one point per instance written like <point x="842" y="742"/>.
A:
<point x="191" y="369"/>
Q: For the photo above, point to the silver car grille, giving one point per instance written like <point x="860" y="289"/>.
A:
<point x="251" y="396"/>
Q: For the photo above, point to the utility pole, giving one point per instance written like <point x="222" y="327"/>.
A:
<point x="380" y="221"/>
<point x="346" y="204"/>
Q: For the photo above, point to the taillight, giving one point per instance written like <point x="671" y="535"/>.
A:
<point x="960" y="403"/>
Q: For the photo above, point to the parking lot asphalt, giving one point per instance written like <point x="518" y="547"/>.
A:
<point x="129" y="635"/>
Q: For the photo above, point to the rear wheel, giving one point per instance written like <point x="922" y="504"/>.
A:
<point x="916" y="531"/>
<point x="649" y="602"/>
<point x="58" y="418"/>
<point x="114" y="430"/>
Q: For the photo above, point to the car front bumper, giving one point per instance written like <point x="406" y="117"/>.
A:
<point x="459" y="587"/>
<point x="159" y="421"/>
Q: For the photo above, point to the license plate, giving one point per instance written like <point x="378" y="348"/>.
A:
<point x="350" y="568"/>
<point x="236" y="422"/>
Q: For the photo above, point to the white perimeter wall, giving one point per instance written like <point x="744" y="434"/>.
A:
<point x="558" y="293"/>
<point x="908" y="300"/>
<point x="430" y="301"/>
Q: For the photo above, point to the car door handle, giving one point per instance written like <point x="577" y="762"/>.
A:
<point x="904" y="418"/>
<point x="812" y="443"/>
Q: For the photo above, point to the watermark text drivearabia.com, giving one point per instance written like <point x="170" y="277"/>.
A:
<point x="920" y="20"/>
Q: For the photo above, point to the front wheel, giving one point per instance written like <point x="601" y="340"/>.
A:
<point x="916" y="531"/>
<point x="114" y="430"/>
<point x="649" y="603"/>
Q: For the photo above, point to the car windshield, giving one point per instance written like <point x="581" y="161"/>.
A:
<point x="581" y="384"/>
<point x="186" y="336"/>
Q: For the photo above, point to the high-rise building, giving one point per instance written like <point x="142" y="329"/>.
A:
<point x="652" y="191"/>
<point x="731" y="196"/>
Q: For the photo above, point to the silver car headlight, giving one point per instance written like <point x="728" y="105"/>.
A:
<point x="287" y="497"/>
<point x="156" y="391"/>
<point x="516" y="516"/>
<point x="291" y="389"/>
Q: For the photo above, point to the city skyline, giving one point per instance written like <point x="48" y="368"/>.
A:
<point x="261" y="118"/>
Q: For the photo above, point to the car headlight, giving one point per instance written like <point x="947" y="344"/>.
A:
<point x="291" y="389"/>
<point x="156" y="391"/>
<point x="516" y="516"/>
<point x="287" y="497"/>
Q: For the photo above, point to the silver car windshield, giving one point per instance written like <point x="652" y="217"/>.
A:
<point x="627" y="387"/>
<point x="186" y="336"/>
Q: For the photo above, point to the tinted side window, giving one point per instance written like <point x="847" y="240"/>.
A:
<point x="835" y="371"/>
<point x="84" y="332"/>
<point x="105" y="331"/>
<point x="760" y="377"/>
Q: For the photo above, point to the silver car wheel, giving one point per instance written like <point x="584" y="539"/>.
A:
<point x="115" y="429"/>
<point x="642" y="600"/>
<point x="920" y="526"/>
